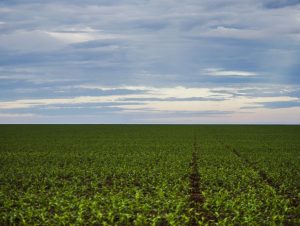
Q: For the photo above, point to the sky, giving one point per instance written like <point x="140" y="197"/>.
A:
<point x="150" y="61"/>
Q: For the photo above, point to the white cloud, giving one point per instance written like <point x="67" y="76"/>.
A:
<point x="163" y="92"/>
<point x="152" y="100"/>
<point x="6" y="10"/>
<point x="228" y="32"/>
<point x="16" y="115"/>
<point x="222" y="72"/>
<point x="39" y="40"/>
<point x="82" y="35"/>
<point x="71" y="37"/>
<point x="107" y="88"/>
<point x="29" y="41"/>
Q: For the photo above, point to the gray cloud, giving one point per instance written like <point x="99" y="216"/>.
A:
<point x="275" y="4"/>
<point x="48" y="47"/>
<point x="281" y="104"/>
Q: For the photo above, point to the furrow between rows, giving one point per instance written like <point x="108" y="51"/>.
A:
<point x="197" y="200"/>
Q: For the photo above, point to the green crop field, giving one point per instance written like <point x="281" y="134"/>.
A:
<point x="149" y="175"/>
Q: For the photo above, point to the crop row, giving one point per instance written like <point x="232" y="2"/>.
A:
<point x="147" y="175"/>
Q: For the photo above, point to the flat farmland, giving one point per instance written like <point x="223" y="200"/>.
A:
<point x="149" y="175"/>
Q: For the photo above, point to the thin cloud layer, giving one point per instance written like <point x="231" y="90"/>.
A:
<point x="150" y="61"/>
<point x="221" y="72"/>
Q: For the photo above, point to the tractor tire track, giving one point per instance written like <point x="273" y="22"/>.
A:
<point x="197" y="200"/>
<point x="292" y="198"/>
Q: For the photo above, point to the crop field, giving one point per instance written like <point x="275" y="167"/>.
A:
<point x="149" y="175"/>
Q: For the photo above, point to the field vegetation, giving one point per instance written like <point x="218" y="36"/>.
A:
<point x="149" y="175"/>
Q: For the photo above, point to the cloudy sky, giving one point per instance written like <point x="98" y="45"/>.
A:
<point x="150" y="61"/>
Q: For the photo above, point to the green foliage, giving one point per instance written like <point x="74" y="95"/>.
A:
<point x="139" y="175"/>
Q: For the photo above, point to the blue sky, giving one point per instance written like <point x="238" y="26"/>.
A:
<point x="154" y="61"/>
